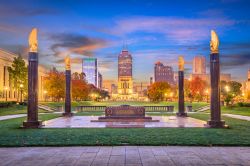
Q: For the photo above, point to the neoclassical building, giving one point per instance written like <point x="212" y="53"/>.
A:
<point x="6" y="86"/>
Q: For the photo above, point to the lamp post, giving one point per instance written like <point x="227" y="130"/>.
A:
<point x="45" y="95"/>
<point x="227" y="88"/>
<point x="6" y="93"/>
<point x="21" y="88"/>
<point x="207" y="91"/>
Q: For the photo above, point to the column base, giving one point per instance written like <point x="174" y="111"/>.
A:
<point x="181" y="114"/>
<point x="67" y="114"/>
<point x="216" y="124"/>
<point x="31" y="124"/>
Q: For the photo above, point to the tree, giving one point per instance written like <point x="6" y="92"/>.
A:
<point x="80" y="90"/>
<point x="54" y="84"/>
<point x="230" y="90"/>
<point x="19" y="74"/>
<point x="197" y="88"/>
<point x="158" y="90"/>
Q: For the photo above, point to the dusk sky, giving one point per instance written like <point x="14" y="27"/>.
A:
<point x="153" y="30"/>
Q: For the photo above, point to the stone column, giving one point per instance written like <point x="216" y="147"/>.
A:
<point x="68" y="112"/>
<point x="215" y="110"/>
<point x="215" y="121"/>
<point x="181" y="107"/>
<point x="32" y="118"/>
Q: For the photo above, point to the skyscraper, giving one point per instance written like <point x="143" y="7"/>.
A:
<point x="99" y="80"/>
<point x="125" y="81"/>
<point x="163" y="73"/>
<point x="199" y="65"/>
<point x="89" y="67"/>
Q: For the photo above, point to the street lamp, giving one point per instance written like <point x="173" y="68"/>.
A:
<point x="45" y="95"/>
<point x="21" y="87"/>
<point x="227" y="88"/>
<point x="207" y="91"/>
<point x="166" y="96"/>
<point x="6" y="90"/>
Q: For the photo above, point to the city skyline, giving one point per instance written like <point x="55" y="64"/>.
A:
<point x="152" y="31"/>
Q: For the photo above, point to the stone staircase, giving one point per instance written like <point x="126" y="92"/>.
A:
<point x="47" y="108"/>
<point x="202" y="109"/>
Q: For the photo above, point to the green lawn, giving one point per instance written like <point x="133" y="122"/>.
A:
<point x="12" y="135"/>
<point x="16" y="109"/>
<point x="234" y="110"/>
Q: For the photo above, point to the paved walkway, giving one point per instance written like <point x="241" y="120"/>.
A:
<point x="124" y="156"/>
<point x="87" y="122"/>
<point x="12" y="116"/>
<point x="238" y="116"/>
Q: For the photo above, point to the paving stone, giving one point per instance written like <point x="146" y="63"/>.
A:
<point x="118" y="151"/>
<point x="131" y="156"/>
<point x="117" y="159"/>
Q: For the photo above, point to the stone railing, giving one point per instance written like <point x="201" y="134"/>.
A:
<point x="102" y="108"/>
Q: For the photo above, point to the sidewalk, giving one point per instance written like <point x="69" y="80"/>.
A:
<point x="125" y="156"/>
<point x="238" y="116"/>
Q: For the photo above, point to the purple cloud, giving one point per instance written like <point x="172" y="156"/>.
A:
<point x="175" y="29"/>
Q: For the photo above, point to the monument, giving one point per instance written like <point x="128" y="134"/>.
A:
<point x="67" y="111"/>
<point x="32" y="117"/>
<point x="181" y="108"/>
<point x="125" y="113"/>
<point x="215" y="109"/>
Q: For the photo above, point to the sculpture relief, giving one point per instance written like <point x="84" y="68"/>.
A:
<point x="33" y="44"/>
<point x="67" y="63"/>
<point x="181" y="63"/>
<point x="214" y="43"/>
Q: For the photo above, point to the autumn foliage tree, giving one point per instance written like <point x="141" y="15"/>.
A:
<point x="157" y="91"/>
<point x="80" y="90"/>
<point x="54" y="84"/>
<point x="197" y="88"/>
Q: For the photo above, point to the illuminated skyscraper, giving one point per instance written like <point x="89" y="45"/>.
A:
<point x="199" y="65"/>
<point x="89" y="67"/>
<point x="125" y="81"/>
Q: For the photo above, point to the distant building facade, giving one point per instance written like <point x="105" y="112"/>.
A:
<point x="163" y="73"/>
<point x="6" y="60"/>
<point x="89" y="68"/>
<point x="199" y="65"/>
<point x="225" y="77"/>
<point x="246" y="86"/>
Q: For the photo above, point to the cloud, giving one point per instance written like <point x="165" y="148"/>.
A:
<point x="67" y="43"/>
<point x="12" y="8"/>
<point x="230" y="61"/>
<point x="174" y="29"/>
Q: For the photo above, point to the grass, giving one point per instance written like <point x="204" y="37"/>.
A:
<point x="116" y="103"/>
<point x="245" y="111"/>
<point x="236" y="110"/>
<point x="16" y="109"/>
<point x="238" y="134"/>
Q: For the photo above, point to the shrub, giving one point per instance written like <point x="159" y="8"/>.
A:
<point x="241" y="104"/>
<point x="6" y="103"/>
